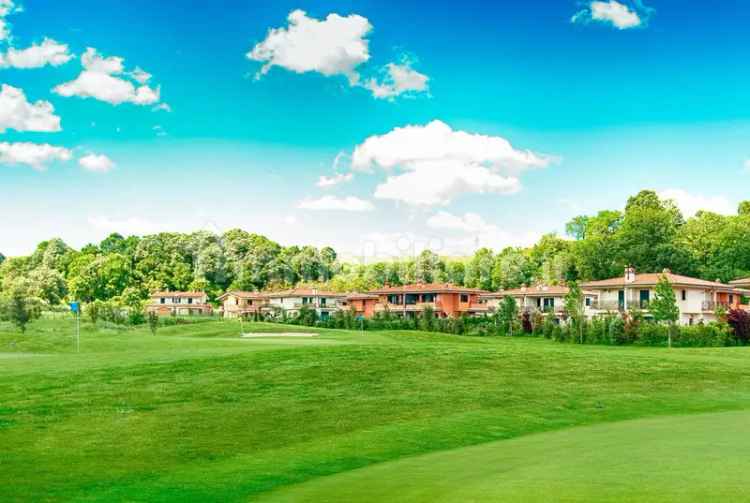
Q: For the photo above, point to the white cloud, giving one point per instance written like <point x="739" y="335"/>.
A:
<point x="330" y="181"/>
<point x="349" y="203"/>
<point x="126" y="226"/>
<point x="32" y="154"/>
<point x="162" y="107"/>
<point x="439" y="182"/>
<point x="140" y="76"/>
<point x="104" y="79"/>
<point x="689" y="204"/>
<point x="96" y="163"/>
<point x="435" y="163"/>
<point x="471" y="223"/>
<point x="469" y="232"/>
<point x="16" y="112"/>
<point x="746" y="165"/>
<point x="333" y="46"/>
<point x="336" y="45"/>
<point x="7" y="7"/>
<point x="400" y="79"/>
<point x="617" y="14"/>
<point x="49" y="52"/>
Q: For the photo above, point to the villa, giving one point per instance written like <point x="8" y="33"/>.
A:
<point x="546" y="299"/>
<point x="363" y="304"/>
<point x="448" y="301"/>
<point x="245" y="304"/>
<point x="179" y="304"/>
<point x="291" y="301"/>
<point x="697" y="299"/>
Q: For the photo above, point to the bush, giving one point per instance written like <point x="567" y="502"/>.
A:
<point x="739" y="321"/>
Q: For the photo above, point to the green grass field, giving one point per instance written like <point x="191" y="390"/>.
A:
<point x="198" y="414"/>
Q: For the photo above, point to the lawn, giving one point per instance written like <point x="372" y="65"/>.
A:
<point x="198" y="413"/>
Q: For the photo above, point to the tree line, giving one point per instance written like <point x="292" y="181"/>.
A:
<point x="650" y="234"/>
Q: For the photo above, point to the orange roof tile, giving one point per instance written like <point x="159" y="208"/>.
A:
<point x="179" y="294"/>
<point x="651" y="279"/>
<point x="427" y="288"/>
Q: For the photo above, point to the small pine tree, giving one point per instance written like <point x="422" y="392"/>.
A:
<point x="508" y="313"/>
<point x="574" y="309"/>
<point x="664" y="306"/>
<point x="153" y="322"/>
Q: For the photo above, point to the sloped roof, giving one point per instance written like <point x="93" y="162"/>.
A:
<point x="304" y="292"/>
<point x="533" y="291"/>
<point x="358" y="296"/>
<point x="243" y="295"/>
<point x="741" y="281"/>
<point x="179" y="294"/>
<point x="427" y="288"/>
<point x="651" y="279"/>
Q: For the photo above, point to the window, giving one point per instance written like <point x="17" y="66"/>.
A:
<point x="684" y="295"/>
<point x="464" y="297"/>
<point x="323" y="301"/>
<point x="175" y="300"/>
<point x="645" y="297"/>
<point x="549" y="304"/>
<point x="394" y="299"/>
<point x="731" y="298"/>
<point x="236" y="302"/>
<point x="190" y="300"/>
<point x="588" y="301"/>
<point x="250" y="302"/>
<point x="539" y="302"/>
<point x="411" y="299"/>
<point x="428" y="297"/>
<point x="163" y="300"/>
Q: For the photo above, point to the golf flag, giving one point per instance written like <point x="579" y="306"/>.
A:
<point x="75" y="307"/>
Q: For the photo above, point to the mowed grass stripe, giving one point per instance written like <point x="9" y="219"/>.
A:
<point x="221" y="421"/>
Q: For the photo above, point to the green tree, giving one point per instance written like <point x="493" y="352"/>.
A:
<point x="19" y="307"/>
<point x="153" y="322"/>
<point x="664" y="305"/>
<point x="574" y="309"/>
<point x="508" y="313"/>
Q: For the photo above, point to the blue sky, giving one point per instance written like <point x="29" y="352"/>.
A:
<point x="626" y="97"/>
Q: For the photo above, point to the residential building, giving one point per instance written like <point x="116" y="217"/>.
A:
<point x="697" y="299"/>
<point x="245" y="304"/>
<point x="363" y="304"/>
<point x="179" y="304"/>
<point x="445" y="299"/>
<point x="546" y="299"/>
<point x="291" y="301"/>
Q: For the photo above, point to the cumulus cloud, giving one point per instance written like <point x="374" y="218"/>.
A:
<point x="400" y="79"/>
<point x="105" y="79"/>
<point x="617" y="14"/>
<point x="96" y="163"/>
<point x="336" y="45"/>
<point x="7" y="7"/>
<point x="16" y="112"/>
<point x="690" y="204"/>
<point x="433" y="164"/>
<point x="468" y="232"/>
<point x="349" y="203"/>
<point x="49" y="52"/>
<point x="330" y="181"/>
<point x="37" y="156"/>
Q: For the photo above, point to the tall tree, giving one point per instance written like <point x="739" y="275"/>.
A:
<point x="664" y="304"/>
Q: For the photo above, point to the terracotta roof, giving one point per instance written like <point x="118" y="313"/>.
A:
<point x="741" y="281"/>
<point x="357" y="295"/>
<point x="534" y="291"/>
<point x="304" y="292"/>
<point x="651" y="279"/>
<point x="179" y="294"/>
<point x="427" y="288"/>
<point x="243" y="295"/>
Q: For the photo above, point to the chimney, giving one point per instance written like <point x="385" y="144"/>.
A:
<point x="629" y="274"/>
<point x="667" y="271"/>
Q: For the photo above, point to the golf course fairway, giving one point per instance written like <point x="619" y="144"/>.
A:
<point x="703" y="457"/>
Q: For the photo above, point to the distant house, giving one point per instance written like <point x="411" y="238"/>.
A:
<point x="546" y="299"/>
<point x="246" y="304"/>
<point x="179" y="304"/>
<point x="447" y="301"/>
<point x="697" y="299"/>
<point x="363" y="304"/>
<point x="291" y="301"/>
